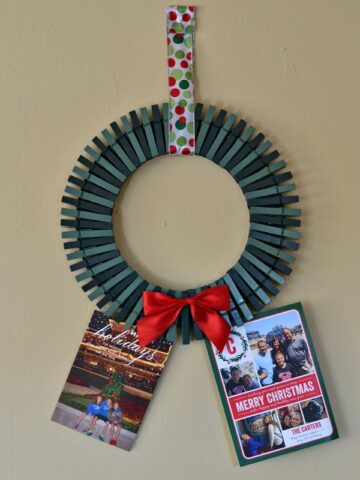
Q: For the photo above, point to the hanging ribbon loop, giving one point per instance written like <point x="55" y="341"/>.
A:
<point x="161" y="311"/>
<point x="180" y="28"/>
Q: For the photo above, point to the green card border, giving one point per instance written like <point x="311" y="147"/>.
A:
<point x="335" y="434"/>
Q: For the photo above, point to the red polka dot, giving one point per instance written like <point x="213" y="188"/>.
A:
<point x="184" y="64"/>
<point x="168" y="41"/>
<point x="172" y="30"/>
<point x="179" y="110"/>
<point x="172" y="81"/>
<point x="172" y="149"/>
<point x="185" y="151"/>
<point x="186" y="17"/>
<point x="192" y="9"/>
<point x="192" y="142"/>
<point x="174" y="92"/>
<point x="182" y="120"/>
<point x="172" y="16"/>
<point x="189" y="56"/>
<point x="171" y="62"/>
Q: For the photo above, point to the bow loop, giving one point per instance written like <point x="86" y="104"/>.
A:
<point x="217" y="298"/>
<point x="161" y="311"/>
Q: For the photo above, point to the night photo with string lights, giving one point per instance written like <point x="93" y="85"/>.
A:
<point x="111" y="382"/>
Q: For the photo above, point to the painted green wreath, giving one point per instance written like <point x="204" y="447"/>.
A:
<point x="98" y="177"/>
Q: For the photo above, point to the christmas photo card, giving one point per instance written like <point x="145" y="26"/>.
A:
<point x="271" y="386"/>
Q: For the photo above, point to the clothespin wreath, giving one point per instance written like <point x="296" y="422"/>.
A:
<point x="128" y="340"/>
<point x="180" y="127"/>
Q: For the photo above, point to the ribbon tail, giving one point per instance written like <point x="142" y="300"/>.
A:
<point x="213" y="325"/>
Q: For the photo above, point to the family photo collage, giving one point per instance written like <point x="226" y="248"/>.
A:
<point x="271" y="387"/>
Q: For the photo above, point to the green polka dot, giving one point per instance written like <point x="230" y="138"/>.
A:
<point x="189" y="29"/>
<point x="191" y="107"/>
<point x="184" y="84"/>
<point x="182" y="103"/>
<point x="177" y="73"/>
<point x="181" y="8"/>
<point x="180" y="54"/>
<point x="172" y="136"/>
<point x="188" y="75"/>
<point x="170" y="49"/>
<point x="180" y="126"/>
<point x="179" y="39"/>
<point x="178" y="27"/>
<point x="187" y="94"/>
<point x="181" y="141"/>
<point x="171" y="115"/>
<point x="188" y="42"/>
<point x="190" y="127"/>
<point x="171" y="102"/>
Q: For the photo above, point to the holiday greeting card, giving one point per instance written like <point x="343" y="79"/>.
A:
<point x="111" y="382"/>
<point x="271" y="386"/>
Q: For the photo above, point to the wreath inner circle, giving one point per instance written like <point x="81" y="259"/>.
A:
<point x="181" y="221"/>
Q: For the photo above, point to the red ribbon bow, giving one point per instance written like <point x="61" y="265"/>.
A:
<point x="161" y="311"/>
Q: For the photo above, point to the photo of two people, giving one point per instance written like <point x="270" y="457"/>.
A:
<point x="260" y="434"/>
<point x="290" y="416"/>
<point x="240" y="378"/>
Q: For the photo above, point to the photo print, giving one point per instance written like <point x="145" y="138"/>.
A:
<point x="271" y="386"/>
<point x="111" y="382"/>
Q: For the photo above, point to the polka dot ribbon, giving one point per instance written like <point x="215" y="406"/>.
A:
<point x="180" y="40"/>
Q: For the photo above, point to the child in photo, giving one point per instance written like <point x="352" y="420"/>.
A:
<point x="115" y="418"/>
<point x="251" y="446"/>
<point x="235" y="384"/>
<point x="102" y="415"/>
<point x="92" y="410"/>
<point x="249" y="383"/>
<point x="283" y="370"/>
<point x="273" y="431"/>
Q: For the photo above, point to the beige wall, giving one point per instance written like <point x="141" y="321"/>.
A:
<point x="70" y="67"/>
